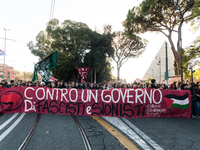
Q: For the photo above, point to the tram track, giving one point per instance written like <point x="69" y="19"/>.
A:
<point x="28" y="137"/>
<point x="31" y="132"/>
<point x="83" y="135"/>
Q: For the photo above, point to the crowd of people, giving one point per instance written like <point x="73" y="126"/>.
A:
<point x="193" y="87"/>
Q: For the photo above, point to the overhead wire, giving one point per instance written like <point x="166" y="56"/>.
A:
<point x="52" y="9"/>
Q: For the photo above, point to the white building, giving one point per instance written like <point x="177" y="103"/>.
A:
<point x="157" y="67"/>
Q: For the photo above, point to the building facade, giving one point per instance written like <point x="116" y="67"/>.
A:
<point x="157" y="67"/>
<point x="9" y="72"/>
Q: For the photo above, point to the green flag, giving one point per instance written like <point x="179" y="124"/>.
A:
<point x="43" y="66"/>
<point x="35" y="76"/>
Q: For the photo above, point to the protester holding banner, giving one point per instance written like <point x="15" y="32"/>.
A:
<point x="66" y="85"/>
<point x="19" y="83"/>
<point x="91" y="86"/>
<point x="69" y="85"/>
<point x="53" y="85"/>
<point x="11" y="83"/>
<point x="198" y="100"/>
<point x="109" y="85"/>
<point x="77" y="86"/>
<point x="61" y="84"/>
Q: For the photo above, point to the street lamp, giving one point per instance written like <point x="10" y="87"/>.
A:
<point x="192" y="71"/>
<point x="4" y="52"/>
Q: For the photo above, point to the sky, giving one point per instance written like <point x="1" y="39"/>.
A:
<point x="25" y="19"/>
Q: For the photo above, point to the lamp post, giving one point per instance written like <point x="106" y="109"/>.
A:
<point x="192" y="71"/>
<point x="166" y="59"/>
<point x="4" y="52"/>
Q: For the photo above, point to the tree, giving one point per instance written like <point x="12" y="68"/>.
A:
<point x="195" y="23"/>
<point x="100" y="50"/>
<point x="126" y="47"/>
<point x="162" y="16"/>
<point x="25" y="76"/>
<point x="71" y="40"/>
<point x="191" y="58"/>
<point x="148" y="80"/>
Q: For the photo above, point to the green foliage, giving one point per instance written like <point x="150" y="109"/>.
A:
<point x="100" y="48"/>
<point x="196" y="14"/>
<point x="197" y="73"/>
<point x="148" y="80"/>
<point x="25" y="76"/>
<point x="159" y="15"/>
<point x="191" y="56"/>
<point x="165" y="16"/>
<point x="71" y="40"/>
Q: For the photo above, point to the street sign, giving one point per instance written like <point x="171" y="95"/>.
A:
<point x="166" y="75"/>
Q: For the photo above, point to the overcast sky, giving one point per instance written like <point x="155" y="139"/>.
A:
<point x="25" y="18"/>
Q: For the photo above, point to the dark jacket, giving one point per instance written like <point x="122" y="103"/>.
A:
<point x="193" y="94"/>
<point x="197" y="97"/>
<point x="61" y="86"/>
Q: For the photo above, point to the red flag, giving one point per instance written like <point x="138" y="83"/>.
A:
<point x="81" y="80"/>
<point x="91" y="79"/>
<point x="83" y="72"/>
<point x="53" y="79"/>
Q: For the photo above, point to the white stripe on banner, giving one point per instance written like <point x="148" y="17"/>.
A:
<point x="5" y="133"/>
<point x="8" y="121"/>
<point x="180" y="102"/>
<point x="144" y="136"/>
<point x="128" y="131"/>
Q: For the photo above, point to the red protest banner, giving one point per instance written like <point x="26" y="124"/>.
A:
<point x="133" y="103"/>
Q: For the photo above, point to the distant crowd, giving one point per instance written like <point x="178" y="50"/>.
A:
<point x="193" y="87"/>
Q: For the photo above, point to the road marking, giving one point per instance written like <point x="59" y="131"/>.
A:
<point x="144" y="136"/>
<point x="5" y="133"/>
<point x="128" y="131"/>
<point x="114" y="132"/>
<point x="8" y="121"/>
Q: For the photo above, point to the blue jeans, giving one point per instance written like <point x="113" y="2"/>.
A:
<point x="195" y="108"/>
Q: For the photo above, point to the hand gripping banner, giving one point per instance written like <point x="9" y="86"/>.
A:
<point x="131" y="103"/>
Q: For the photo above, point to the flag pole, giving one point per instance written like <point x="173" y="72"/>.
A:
<point x="55" y="67"/>
<point x="46" y="57"/>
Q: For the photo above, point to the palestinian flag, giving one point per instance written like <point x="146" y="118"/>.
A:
<point x="177" y="101"/>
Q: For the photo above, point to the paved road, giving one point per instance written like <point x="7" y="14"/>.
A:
<point x="171" y="133"/>
<point x="61" y="132"/>
<point x="54" y="132"/>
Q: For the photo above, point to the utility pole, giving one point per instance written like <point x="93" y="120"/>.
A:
<point x="166" y="73"/>
<point x="4" y="53"/>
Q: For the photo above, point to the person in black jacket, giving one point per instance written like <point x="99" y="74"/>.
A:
<point x="153" y="83"/>
<point x="193" y="88"/>
<point x="198" y="101"/>
<point x="61" y="85"/>
<point x="77" y="86"/>
<point x="91" y="86"/>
